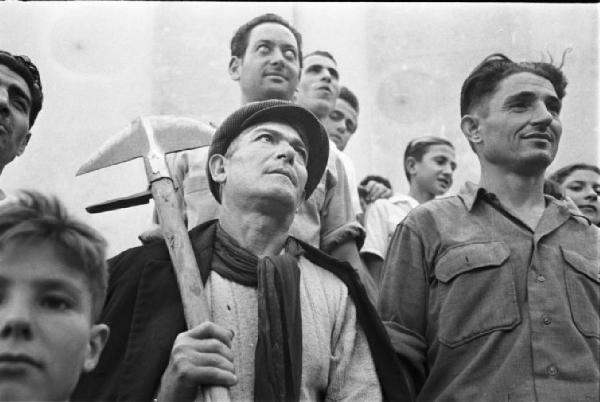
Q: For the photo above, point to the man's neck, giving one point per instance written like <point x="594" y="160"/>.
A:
<point x="521" y="195"/>
<point x="258" y="233"/>
<point x="420" y="195"/>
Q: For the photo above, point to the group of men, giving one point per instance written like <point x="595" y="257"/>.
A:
<point x="491" y="294"/>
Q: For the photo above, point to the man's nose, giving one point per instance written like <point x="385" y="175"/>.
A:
<point x="15" y="321"/>
<point x="277" y="57"/>
<point x="447" y="169"/>
<point x="541" y="114"/>
<point x="590" y="194"/>
<point x="287" y="152"/>
<point x="4" y="101"/>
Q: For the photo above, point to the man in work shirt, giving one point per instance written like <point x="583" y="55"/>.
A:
<point x="493" y="294"/>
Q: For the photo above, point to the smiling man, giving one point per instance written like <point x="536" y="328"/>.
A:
<point x="289" y="323"/>
<point x="493" y="294"/>
<point x="20" y="102"/>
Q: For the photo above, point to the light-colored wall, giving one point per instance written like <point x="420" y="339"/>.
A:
<point x="103" y="64"/>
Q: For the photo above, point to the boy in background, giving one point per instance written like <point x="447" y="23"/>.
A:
<point x="429" y="164"/>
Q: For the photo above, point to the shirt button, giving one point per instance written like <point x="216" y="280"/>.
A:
<point x="547" y="320"/>
<point x="552" y="370"/>
<point x="540" y="278"/>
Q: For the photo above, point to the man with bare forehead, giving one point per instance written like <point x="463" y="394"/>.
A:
<point x="20" y="102"/>
<point x="492" y="295"/>
<point x="289" y="322"/>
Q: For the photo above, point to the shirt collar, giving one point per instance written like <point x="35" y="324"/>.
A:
<point x="404" y="199"/>
<point x="471" y="192"/>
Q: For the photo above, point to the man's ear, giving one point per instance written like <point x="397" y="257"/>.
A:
<point x="410" y="166"/>
<point x="469" y="124"/>
<point x="98" y="338"/>
<point x="216" y="165"/>
<point x="23" y="144"/>
<point x="235" y="66"/>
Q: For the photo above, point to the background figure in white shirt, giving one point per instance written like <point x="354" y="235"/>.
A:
<point x="341" y="124"/>
<point x="429" y="163"/>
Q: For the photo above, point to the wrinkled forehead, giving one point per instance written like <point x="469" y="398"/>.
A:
<point x="525" y="82"/>
<point x="281" y="127"/>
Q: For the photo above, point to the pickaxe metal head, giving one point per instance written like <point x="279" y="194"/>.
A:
<point x="150" y="137"/>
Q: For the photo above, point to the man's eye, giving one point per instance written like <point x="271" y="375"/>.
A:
<point x="289" y="54"/>
<point x="263" y="49"/>
<point x="20" y="104"/>
<point x="335" y="115"/>
<point x="265" y="138"/>
<point x="575" y="187"/>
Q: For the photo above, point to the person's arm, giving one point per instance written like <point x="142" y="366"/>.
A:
<point x="374" y="265"/>
<point x="403" y="299"/>
<point x="200" y="356"/>
<point x="375" y="190"/>
<point x="377" y="238"/>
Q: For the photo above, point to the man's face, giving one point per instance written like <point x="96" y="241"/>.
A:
<point x="341" y="123"/>
<point x="270" y="67"/>
<point x="583" y="187"/>
<point x="267" y="163"/>
<point x="433" y="174"/>
<point x="521" y="128"/>
<point x="15" y="105"/>
<point x="319" y="85"/>
<point x="46" y="334"/>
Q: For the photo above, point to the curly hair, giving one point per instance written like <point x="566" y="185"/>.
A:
<point x="23" y="66"/>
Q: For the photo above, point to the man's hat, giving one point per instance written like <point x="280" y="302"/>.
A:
<point x="309" y="127"/>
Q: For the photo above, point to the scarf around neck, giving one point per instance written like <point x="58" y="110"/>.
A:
<point x="278" y="354"/>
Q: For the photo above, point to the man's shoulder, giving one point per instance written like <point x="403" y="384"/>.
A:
<point x="447" y="206"/>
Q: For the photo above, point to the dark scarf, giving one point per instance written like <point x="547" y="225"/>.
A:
<point x="278" y="355"/>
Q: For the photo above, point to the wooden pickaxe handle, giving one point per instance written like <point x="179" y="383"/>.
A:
<point x="195" y="306"/>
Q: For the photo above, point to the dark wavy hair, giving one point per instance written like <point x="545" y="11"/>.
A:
<point x="484" y="79"/>
<point x="561" y="174"/>
<point x="239" y="41"/>
<point x="23" y="66"/>
<point x="349" y="97"/>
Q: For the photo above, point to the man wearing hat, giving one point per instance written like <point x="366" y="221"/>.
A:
<point x="288" y="322"/>
<point x="20" y="102"/>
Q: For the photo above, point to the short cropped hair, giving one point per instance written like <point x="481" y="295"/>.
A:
<point x="378" y="179"/>
<point x="323" y="53"/>
<point x="34" y="217"/>
<point x="239" y="41"/>
<point x="561" y="174"/>
<point x="349" y="97"/>
<point x="419" y="146"/>
<point x="484" y="79"/>
<point x="23" y="66"/>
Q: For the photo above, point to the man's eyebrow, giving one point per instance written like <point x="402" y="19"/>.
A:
<point x="524" y="96"/>
<point x="19" y="92"/>
<point x="58" y="284"/>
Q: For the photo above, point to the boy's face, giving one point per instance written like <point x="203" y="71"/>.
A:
<point x="47" y="336"/>
<point x="434" y="172"/>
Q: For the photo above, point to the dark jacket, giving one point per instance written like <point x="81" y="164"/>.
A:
<point x="144" y="312"/>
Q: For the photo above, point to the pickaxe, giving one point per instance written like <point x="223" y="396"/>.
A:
<point x="152" y="138"/>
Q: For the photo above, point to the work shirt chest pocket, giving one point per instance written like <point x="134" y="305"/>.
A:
<point x="582" y="276"/>
<point x="476" y="292"/>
